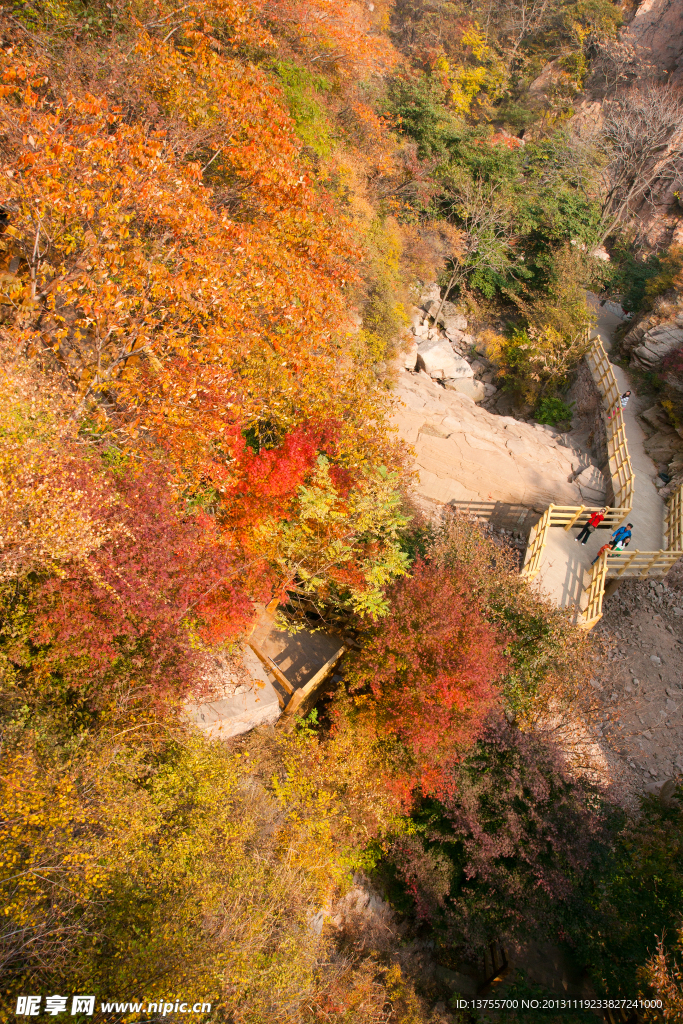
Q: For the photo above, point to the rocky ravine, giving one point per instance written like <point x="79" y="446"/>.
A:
<point x="463" y="451"/>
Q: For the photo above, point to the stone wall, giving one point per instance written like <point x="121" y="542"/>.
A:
<point x="652" y="337"/>
<point x="588" y="424"/>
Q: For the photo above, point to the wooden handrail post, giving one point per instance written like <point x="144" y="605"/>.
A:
<point x="272" y="667"/>
<point x="574" y="518"/>
<point x="595" y="569"/>
<point x="311" y="686"/>
<point x="627" y="564"/>
<point x="651" y="562"/>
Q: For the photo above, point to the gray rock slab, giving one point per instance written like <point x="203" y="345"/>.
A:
<point x="232" y="715"/>
<point x="593" y="484"/>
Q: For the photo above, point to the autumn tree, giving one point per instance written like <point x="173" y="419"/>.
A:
<point x="504" y="847"/>
<point x="641" y="137"/>
<point x="428" y="672"/>
<point x="481" y="213"/>
<point x="98" y="847"/>
<point x="184" y="325"/>
<point x="337" y="35"/>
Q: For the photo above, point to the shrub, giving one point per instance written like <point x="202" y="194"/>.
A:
<point x="310" y="117"/>
<point x="663" y="975"/>
<point x="536" y="361"/>
<point x="417" y="105"/>
<point x="642" y="281"/>
<point x="549" y="659"/>
<point x="635" y="902"/>
<point x="97" y="848"/>
<point x="669" y="268"/>
<point x="428" y="672"/>
<point x="553" y="410"/>
<point x="503" y="849"/>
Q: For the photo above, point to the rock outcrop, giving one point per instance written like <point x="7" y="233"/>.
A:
<point x="464" y="453"/>
<point x="658" y="343"/>
<point x="439" y="346"/>
<point x="437" y="358"/>
<point x="656" y="30"/>
<point x="449" y="317"/>
<point x="649" y="50"/>
<point x="245" y="698"/>
<point x="664" y="445"/>
<point x="654" y="335"/>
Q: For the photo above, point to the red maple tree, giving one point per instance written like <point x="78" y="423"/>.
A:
<point x="428" y="674"/>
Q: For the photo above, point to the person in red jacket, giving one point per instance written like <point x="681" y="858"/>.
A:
<point x="592" y="523"/>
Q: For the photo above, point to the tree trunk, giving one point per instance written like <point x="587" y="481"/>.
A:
<point x="445" y="294"/>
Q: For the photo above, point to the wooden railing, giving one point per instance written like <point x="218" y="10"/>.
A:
<point x="613" y="566"/>
<point x="673" y="529"/>
<point x="619" y="465"/>
<point x="534" y="549"/>
<point x="617" y="449"/>
<point x="566" y="516"/>
<point x="578" y="515"/>
<point x="298" y="698"/>
<point x="509" y="515"/>
<point x="610" y="565"/>
<point x="301" y="698"/>
<point x="641" y="563"/>
<point x="592" y="613"/>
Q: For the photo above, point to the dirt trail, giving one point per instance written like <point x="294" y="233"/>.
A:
<point x="643" y="711"/>
<point x="643" y="627"/>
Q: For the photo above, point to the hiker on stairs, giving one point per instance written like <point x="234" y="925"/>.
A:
<point x="591" y="525"/>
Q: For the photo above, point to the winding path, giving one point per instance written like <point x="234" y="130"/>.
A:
<point x="565" y="566"/>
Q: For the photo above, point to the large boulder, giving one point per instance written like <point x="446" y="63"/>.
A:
<point x="430" y="295"/>
<point x="450" y="318"/>
<point x="410" y="357"/>
<point x="464" y="452"/>
<point x="439" y="360"/>
<point x="658" y="343"/>
<point x="474" y="389"/>
<point x="242" y="703"/>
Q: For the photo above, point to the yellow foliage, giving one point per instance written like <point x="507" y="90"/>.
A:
<point x="468" y="80"/>
<point x="493" y="344"/>
<point x="319" y="541"/>
<point x="50" y="514"/>
<point x="179" y="858"/>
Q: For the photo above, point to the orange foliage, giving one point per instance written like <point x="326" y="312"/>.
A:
<point x="190" y="283"/>
<point x="335" y="34"/>
<point x="144" y="293"/>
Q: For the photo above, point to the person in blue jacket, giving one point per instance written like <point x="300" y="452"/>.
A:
<point x="623" y="534"/>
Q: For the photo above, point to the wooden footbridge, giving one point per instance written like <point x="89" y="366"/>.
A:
<point x="552" y="559"/>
